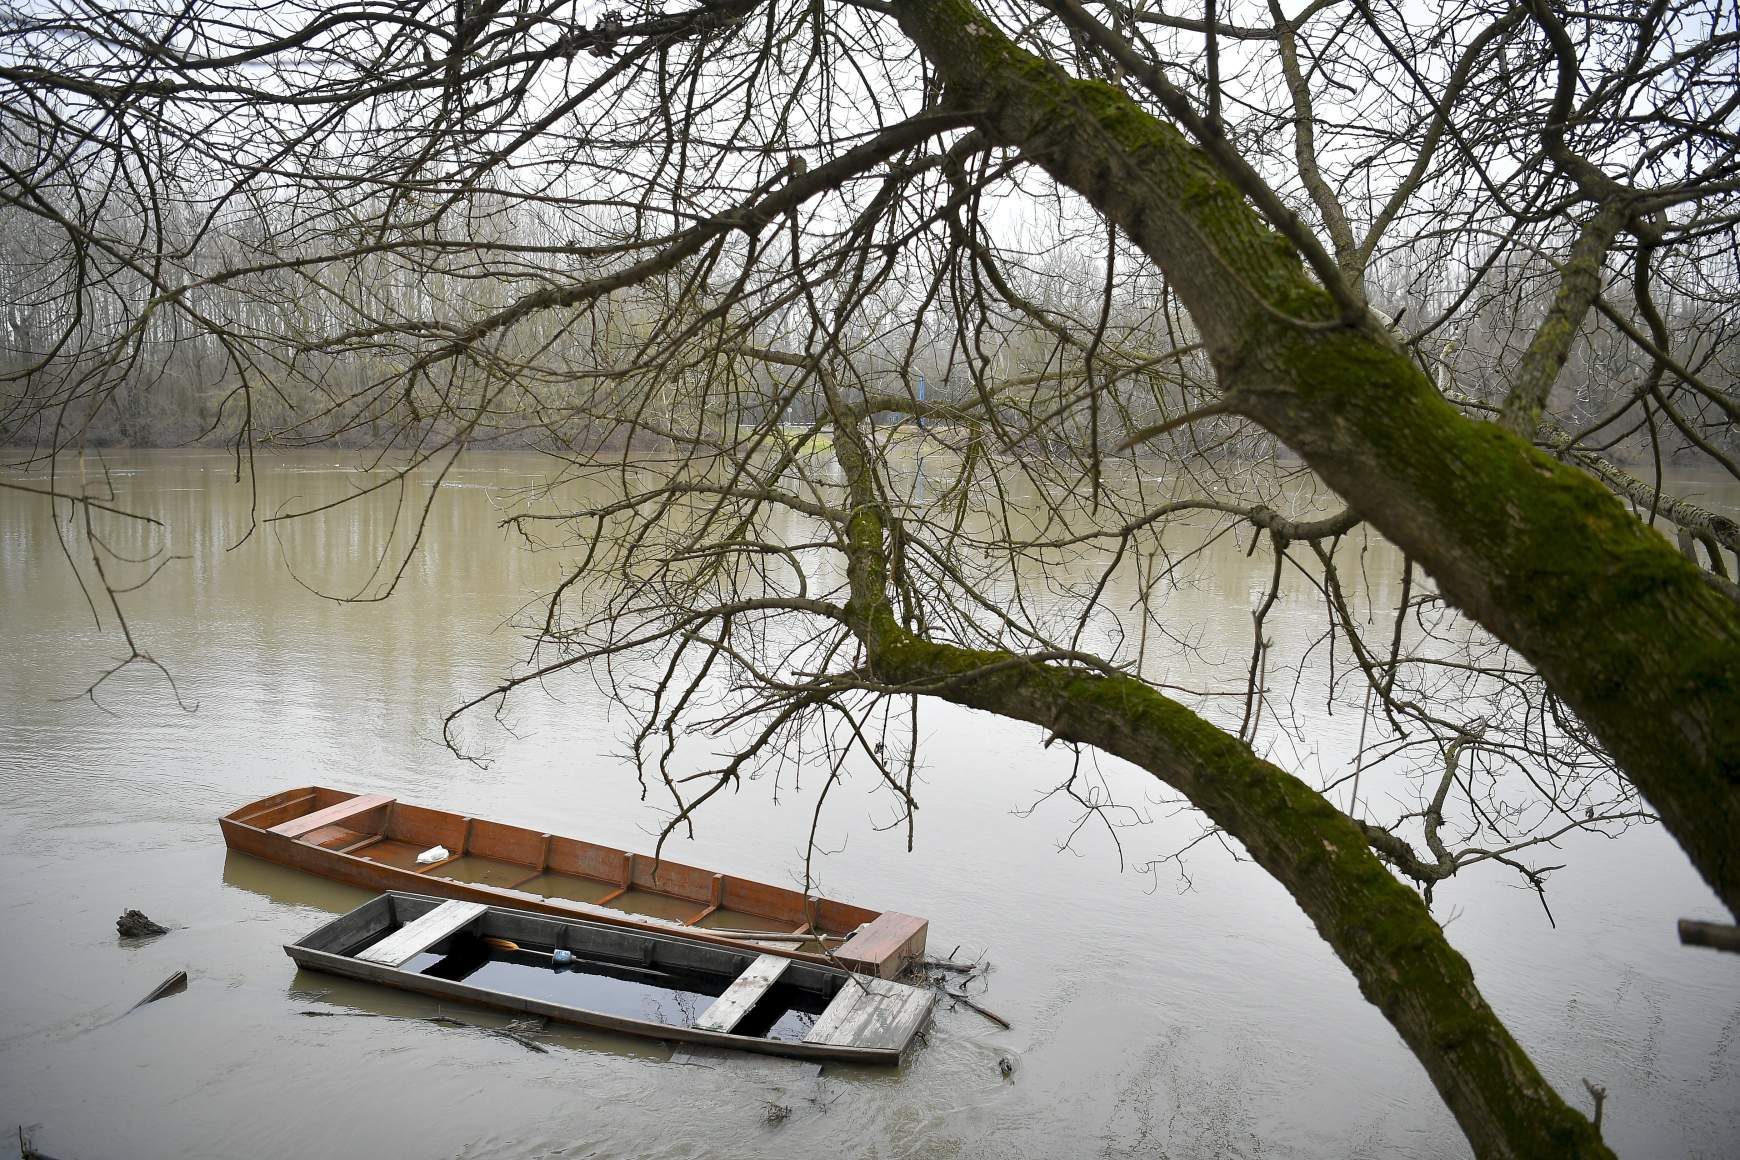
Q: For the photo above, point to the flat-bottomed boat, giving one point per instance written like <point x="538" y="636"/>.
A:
<point x="374" y="841"/>
<point x="664" y="985"/>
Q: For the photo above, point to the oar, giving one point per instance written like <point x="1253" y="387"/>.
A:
<point x="767" y="935"/>
<point x="560" y="956"/>
<point x="565" y="958"/>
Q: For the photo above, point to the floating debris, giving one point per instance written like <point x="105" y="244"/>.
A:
<point x="520" y="1031"/>
<point x="25" y="1150"/>
<point x="959" y="997"/>
<point x="134" y="924"/>
<point x="173" y="985"/>
<point x="936" y="974"/>
<point x="1710" y="934"/>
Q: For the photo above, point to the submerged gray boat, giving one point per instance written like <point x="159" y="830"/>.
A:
<point x="628" y="980"/>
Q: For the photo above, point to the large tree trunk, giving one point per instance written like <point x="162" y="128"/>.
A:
<point x="1619" y="623"/>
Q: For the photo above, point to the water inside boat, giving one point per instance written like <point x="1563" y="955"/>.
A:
<point x="655" y="995"/>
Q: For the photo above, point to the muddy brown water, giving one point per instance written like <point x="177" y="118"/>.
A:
<point x="1149" y="1019"/>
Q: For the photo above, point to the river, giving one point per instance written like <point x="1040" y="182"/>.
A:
<point x="1152" y="1016"/>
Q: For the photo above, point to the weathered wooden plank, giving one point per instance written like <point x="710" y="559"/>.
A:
<point x="893" y="1022"/>
<point x="870" y="1014"/>
<point x="743" y="994"/>
<point x="362" y="803"/>
<point x="839" y="1009"/>
<point x="413" y="938"/>
<point x="878" y="1015"/>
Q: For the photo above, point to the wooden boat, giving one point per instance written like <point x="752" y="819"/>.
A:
<point x="664" y="985"/>
<point x="373" y="841"/>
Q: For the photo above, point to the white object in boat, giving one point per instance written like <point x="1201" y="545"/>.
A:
<point x="431" y="855"/>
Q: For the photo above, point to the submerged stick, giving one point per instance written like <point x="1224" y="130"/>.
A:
<point x="514" y="1031"/>
<point x="518" y="1037"/>
<point x="985" y="1011"/>
<point x="346" y="1015"/>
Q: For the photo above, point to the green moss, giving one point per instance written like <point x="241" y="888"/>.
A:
<point x="1620" y="623"/>
<point x="1553" y="527"/>
<point x="1145" y="170"/>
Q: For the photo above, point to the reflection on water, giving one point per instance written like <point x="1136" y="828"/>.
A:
<point x="1148" y="1019"/>
<point x="289" y="887"/>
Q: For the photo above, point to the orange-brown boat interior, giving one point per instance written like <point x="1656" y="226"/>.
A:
<point x="373" y="841"/>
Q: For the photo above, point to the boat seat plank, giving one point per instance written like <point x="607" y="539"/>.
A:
<point x="728" y="1009"/>
<point x="891" y="1024"/>
<point x="307" y="823"/>
<point x="854" y="993"/>
<point x="414" y="938"/>
<point x="872" y="1013"/>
